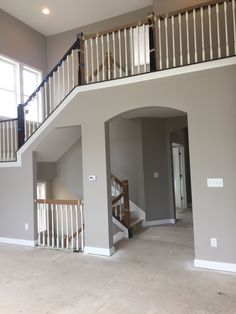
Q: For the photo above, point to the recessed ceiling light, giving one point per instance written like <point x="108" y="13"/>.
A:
<point x="46" y="11"/>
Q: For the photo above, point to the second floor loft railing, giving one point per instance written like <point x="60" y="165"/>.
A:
<point x="197" y="34"/>
<point x="60" y="224"/>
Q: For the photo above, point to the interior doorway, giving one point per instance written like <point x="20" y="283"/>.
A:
<point x="179" y="175"/>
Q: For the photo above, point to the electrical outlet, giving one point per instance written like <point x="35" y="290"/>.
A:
<point x="213" y="242"/>
<point x="26" y="226"/>
<point x="156" y="175"/>
<point x="215" y="183"/>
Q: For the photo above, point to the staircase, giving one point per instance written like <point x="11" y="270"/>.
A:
<point x="127" y="217"/>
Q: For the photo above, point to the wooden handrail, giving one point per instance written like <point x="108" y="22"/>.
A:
<point x="59" y="202"/>
<point x="74" y="46"/>
<point x="116" y="29"/>
<point x="117" y="198"/>
<point x="116" y="180"/>
<point x="7" y="120"/>
<point x="190" y="9"/>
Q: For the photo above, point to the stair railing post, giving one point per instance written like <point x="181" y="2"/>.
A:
<point x="21" y="125"/>
<point x="126" y="202"/>
<point x="80" y="39"/>
<point x="152" y="51"/>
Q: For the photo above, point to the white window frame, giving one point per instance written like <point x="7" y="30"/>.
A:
<point x="19" y="82"/>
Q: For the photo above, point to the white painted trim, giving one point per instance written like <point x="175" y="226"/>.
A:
<point x="99" y="251"/>
<point x="159" y="222"/>
<point x="122" y="227"/>
<point x="135" y="208"/>
<point x="215" y="265"/>
<point x="18" y="242"/>
<point x="118" y="236"/>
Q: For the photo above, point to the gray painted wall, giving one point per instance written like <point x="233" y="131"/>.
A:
<point x="68" y="183"/>
<point x="125" y="136"/>
<point x="17" y="196"/>
<point x="21" y="42"/>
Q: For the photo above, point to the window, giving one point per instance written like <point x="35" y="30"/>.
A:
<point x="141" y="45"/>
<point x="8" y="87"/>
<point x="17" y="83"/>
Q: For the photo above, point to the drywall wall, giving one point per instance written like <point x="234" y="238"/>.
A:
<point x="58" y="44"/>
<point x="125" y="137"/>
<point x="21" y="42"/>
<point x="17" y="194"/>
<point x="46" y="171"/>
<point x="155" y="148"/>
<point x="68" y="183"/>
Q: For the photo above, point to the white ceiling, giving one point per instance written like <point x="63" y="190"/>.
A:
<point x="68" y="14"/>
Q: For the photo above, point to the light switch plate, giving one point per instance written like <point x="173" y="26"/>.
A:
<point x="215" y="182"/>
<point x="156" y="175"/>
<point x="213" y="242"/>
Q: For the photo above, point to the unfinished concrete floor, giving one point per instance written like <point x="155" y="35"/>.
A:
<point x="152" y="273"/>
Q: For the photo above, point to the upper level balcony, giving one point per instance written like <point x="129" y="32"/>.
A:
<point x="198" y="34"/>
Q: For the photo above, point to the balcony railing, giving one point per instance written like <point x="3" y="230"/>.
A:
<point x="197" y="34"/>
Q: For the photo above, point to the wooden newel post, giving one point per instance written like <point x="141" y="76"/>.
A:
<point x="80" y="39"/>
<point x="126" y="202"/>
<point x="21" y="125"/>
<point x="152" y="43"/>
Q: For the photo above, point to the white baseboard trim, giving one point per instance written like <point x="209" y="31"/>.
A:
<point x="18" y="242"/>
<point x="118" y="236"/>
<point x="214" y="265"/>
<point x="99" y="251"/>
<point x="159" y="222"/>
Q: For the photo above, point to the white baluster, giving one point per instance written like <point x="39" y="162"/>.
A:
<point x="77" y="227"/>
<point x="91" y="58"/>
<point x="62" y="226"/>
<point x="12" y="139"/>
<point x="114" y="54"/>
<point x="180" y="40"/>
<point x="195" y="36"/>
<point x="120" y="60"/>
<point x="86" y="60"/>
<point x="138" y="49"/>
<point x="44" y="226"/>
<point x="103" y="58"/>
<point x="173" y="40"/>
<point x="67" y="226"/>
<point x="39" y="223"/>
<point x="97" y="58"/>
<point x="53" y="235"/>
<point x="160" y="46"/>
<point x="73" y="68"/>
<point x="126" y="52"/>
<point x="63" y="81"/>
<point x="7" y="141"/>
<point x="109" y="59"/>
<point x="218" y="30"/>
<point x="57" y="225"/>
<point x="71" y="227"/>
<point x="132" y="50"/>
<point x="187" y="34"/>
<point x="167" y="44"/>
<point x="47" y="224"/>
<point x="226" y="29"/>
<point x="145" y="48"/>
<point x="82" y="226"/>
<point x="203" y="40"/>
<point x="210" y="32"/>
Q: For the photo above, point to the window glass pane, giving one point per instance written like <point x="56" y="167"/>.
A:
<point x="30" y="80"/>
<point x="7" y="75"/>
<point x="7" y="104"/>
